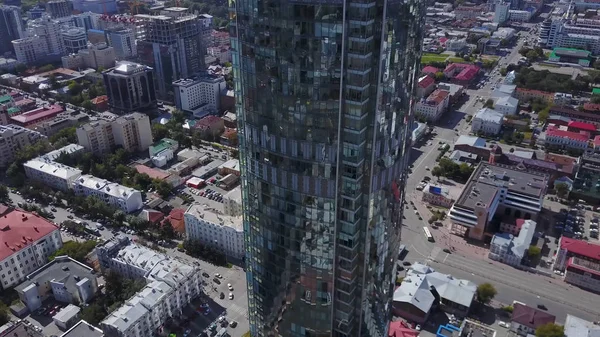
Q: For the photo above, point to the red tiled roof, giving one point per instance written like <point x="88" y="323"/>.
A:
<point x="208" y="121"/>
<point x="99" y="99"/>
<point x="153" y="216"/>
<point x="400" y="329"/>
<point x="153" y="173"/>
<point x="591" y="106"/>
<point x="531" y="317"/>
<point x="34" y="115"/>
<point x="176" y="219"/>
<point x="430" y="70"/>
<point x="24" y="101"/>
<point x="580" y="136"/>
<point x="426" y="81"/>
<point x="466" y="71"/>
<point x="580" y="267"/>
<point x="437" y="97"/>
<point x="579" y="247"/>
<point x="582" y="126"/>
<point x="20" y="228"/>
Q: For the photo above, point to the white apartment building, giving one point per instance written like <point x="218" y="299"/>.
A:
<point x="12" y="139"/>
<point x="501" y="12"/>
<point x="506" y="105"/>
<point x="456" y="44"/>
<point x="92" y="56"/>
<point x="511" y="249"/>
<point x="74" y="39"/>
<point x="487" y="121"/>
<point x="96" y="137"/>
<point x="52" y="174"/>
<point x="432" y="107"/>
<point x="26" y="242"/>
<point x="171" y="286"/>
<point x="30" y="50"/>
<point x="232" y="202"/>
<point x="133" y="132"/>
<point x="50" y="30"/>
<point x="211" y="227"/>
<point x="519" y="15"/>
<point x="199" y="94"/>
<point x="125" y="198"/>
<point x="581" y="33"/>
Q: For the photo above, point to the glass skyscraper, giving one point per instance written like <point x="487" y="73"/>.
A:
<point x="324" y="93"/>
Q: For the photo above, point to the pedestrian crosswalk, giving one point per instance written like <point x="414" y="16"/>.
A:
<point x="434" y="253"/>
<point x="234" y="308"/>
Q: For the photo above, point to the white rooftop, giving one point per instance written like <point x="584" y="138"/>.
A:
<point x="68" y="149"/>
<point x="215" y="216"/>
<point x="52" y="168"/>
<point x="489" y="115"/>
<point x="578" y="327"/>
<point x="233" y="164"/>
<point x="235" y="194"/>
<point x="105" y="186"/>
<point x="67" y="313"/>
<point x="416" y="288"/>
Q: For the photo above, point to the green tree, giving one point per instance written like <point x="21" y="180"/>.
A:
<point x="166" y="230"/>
<point x="544" y="114"/>
<point x="534" y="252"/>
<point x="4" y="196"/>
<point x="550" y="330"/>
<point x="439" y="76"/>
<point x="503" y="71"/>
<point x="160" y="131"/>
<point x="486" y="293"/>
<point x="75" y="250"/>
<point x="93" y="314"/>
<point x="87" y="105"/>
<point x="74" y="88"/>
<point x="47" y="67"/>
<point x="562" y="189"/>
<point x="4" y="317"/>
<point x="70" y="134"/>
<point x="489" y="103"/>
<point x="437" y="172"/>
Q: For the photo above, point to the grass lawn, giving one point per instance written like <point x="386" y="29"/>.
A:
<point x="426" y="58"/>
<point x="455" y="59"/>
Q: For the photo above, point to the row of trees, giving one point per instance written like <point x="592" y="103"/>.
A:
<point x="546" y="81"/>
<point x="449" y="169"/>
<point x="207" y="253"/>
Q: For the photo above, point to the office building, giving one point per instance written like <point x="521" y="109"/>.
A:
<point x="26" y="243"/>
<point x="51" y="174"/>
<point x="59" y="8"/>
<point x="30" y="50"/>
<point x="130" y="87"/>
<point x="170" y="43"/>
<point x="320" y="248"/>
<point x="14" y="138"/>
<point x="121" y="197"/>
<point x="495" y="188"/>
<point x="516" y="15"/>
<point x="74" y="39"/>
<point x="11" y="27"/>
<point x="123" y="41"/>
<point x="571" y="31"/>
<point x="199" y="96"/>
<point x="170" y="287"/>
<point x="62" y="279"/>
<point x="87" y="20"/>
<point x="211" y="227"/>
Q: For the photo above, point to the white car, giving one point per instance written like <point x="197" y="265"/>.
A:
<point x="418" y="327"/>
<point x="229" y="286"/>
<point x="230" y="296"/>
<point x="503" y="324"/>
<point x="217" y="275"/>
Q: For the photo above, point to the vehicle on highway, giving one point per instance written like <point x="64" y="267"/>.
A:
<point x="428" y="234"/>
<point x="542" y="307"/>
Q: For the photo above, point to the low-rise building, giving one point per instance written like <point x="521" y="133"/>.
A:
<point x="511" y="249"/>
<point x="423" y="289"/>
<point x="506" y="105"/>
<point x="26" y="242"/>
<point x="579" y="249"/>
<point x="496" y="188"/>
<point x="124" y="198"/>
<point x="67" y="317"/>
<point x="211" y="227"/>
<point x="33" y="117"/>
<point x="83" y="329"/>
<point x="232" y="202"/>
<point x="425" y="86"/>
<point x="571" y="55"/>
<point x="525" y="95"/>
<point x="487" y="121"/>
<point x="232" y="166"/>
<point x="432" y="107"/>
<point x="575" y="126"/>
<point x="525" y="320"/>
<point x="51" y="174"/>
<point x="562" y="139"/>
<point x="461" y="73"/>
<point x="456" y="91"/>
<point x="210" y="127"/>
<point x="437" y="195"/>
<point x="576" y="327"/>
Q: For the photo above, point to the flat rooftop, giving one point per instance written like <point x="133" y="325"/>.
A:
<point x="83" y="329"/>
<point x="62" y="269"/>
<point x="215" y="216"/>
<point x="487" y="179"/>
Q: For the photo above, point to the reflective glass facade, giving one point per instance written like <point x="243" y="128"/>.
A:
<point x="323" y="95"/>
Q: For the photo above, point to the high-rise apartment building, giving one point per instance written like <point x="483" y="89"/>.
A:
<point x="170" y="43"/>
<point x="49" y="30"/>
<point x="130" y="87"/>
<point x="74" y="39"/>
<point x="123" y="40"/>
<point x="132" y="132"/>
<point x="11" y="27"/>
<point x="324" y="95"/>
<point x="59" y="8"/>
<point x="14" y="138"/>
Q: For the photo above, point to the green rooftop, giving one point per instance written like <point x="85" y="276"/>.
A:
<point x="5" y="99"/>
<point x="12" y="111"/>
<point x="596" y="91"/>
<point x="161" y="145"/>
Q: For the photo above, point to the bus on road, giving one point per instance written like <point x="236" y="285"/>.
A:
<point x="428" y="234"/>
